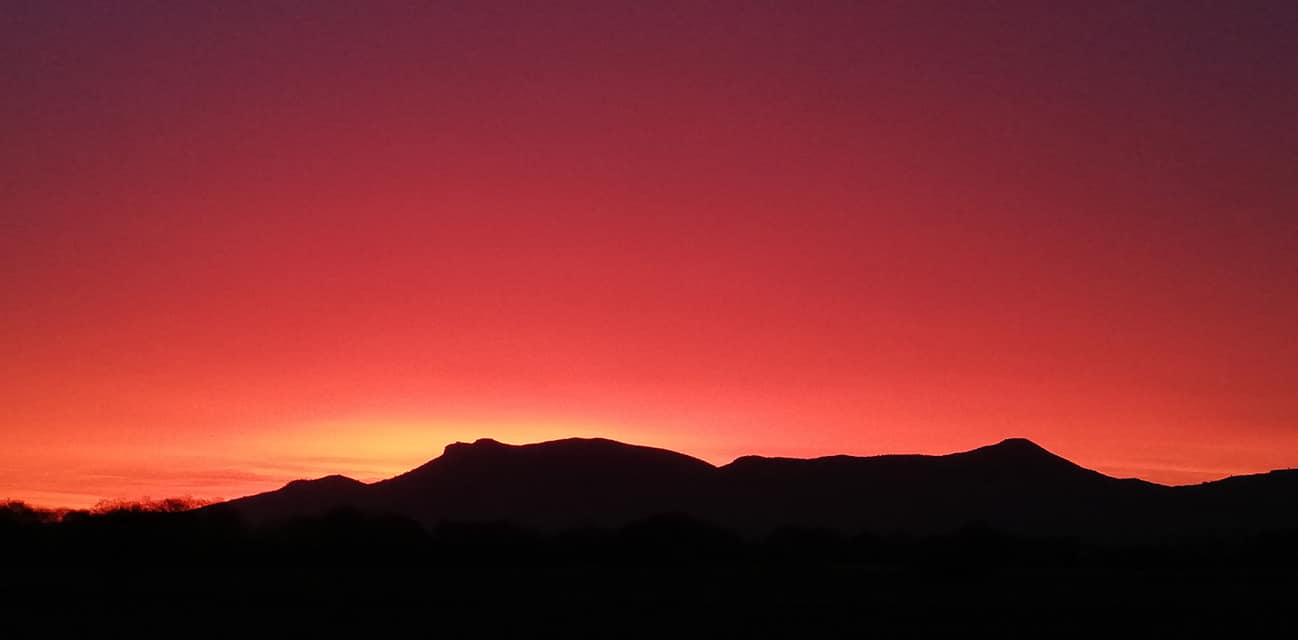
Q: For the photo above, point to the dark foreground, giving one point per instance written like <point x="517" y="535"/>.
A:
<point x="146" y="574"/>
<point x="735" y="601"/>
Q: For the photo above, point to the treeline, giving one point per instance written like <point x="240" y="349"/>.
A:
<point x="168" y="533"/>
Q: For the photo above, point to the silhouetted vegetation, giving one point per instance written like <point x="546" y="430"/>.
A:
<point x="166" y="505"/>
<point x="136" y="534"/>
<point x="501" y="579"/>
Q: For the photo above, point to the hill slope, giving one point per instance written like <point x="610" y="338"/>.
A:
<point x="1015" y="486"/>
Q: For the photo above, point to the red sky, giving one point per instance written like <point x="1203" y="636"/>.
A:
<point x="251" y="242"/>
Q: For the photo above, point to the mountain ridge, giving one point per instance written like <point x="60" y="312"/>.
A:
<point x="1015" y="485"/>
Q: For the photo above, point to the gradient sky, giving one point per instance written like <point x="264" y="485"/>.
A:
<point x="242" y="243"/>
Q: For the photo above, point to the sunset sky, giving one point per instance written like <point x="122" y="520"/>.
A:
<point x="248" y="242"/>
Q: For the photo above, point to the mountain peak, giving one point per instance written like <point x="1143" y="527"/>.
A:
<point x="480" y="444"/>
<point x="1019" y="452"/>
<point x="591" y="446"/>
<point x="1019" y="445"/>
<point x="568" y="457"/>
<point x="330" y="481"/>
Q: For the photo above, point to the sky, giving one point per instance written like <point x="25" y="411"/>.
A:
<point x="247" y="242"/>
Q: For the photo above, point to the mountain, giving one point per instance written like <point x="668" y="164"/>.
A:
<point x="301" y="498"/>
<point x="1013" y="486"/>
<point x="547" y="485"/>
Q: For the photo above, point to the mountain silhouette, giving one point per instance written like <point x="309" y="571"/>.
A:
<point x="302" y="498"/>
<point x="581" y="536"/>
<point x="1014" y="486"/>
<point x="547" y="485"/>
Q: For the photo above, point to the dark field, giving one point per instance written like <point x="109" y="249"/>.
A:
<point x="347" y="575"/>
<point x="734" y="601"/>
